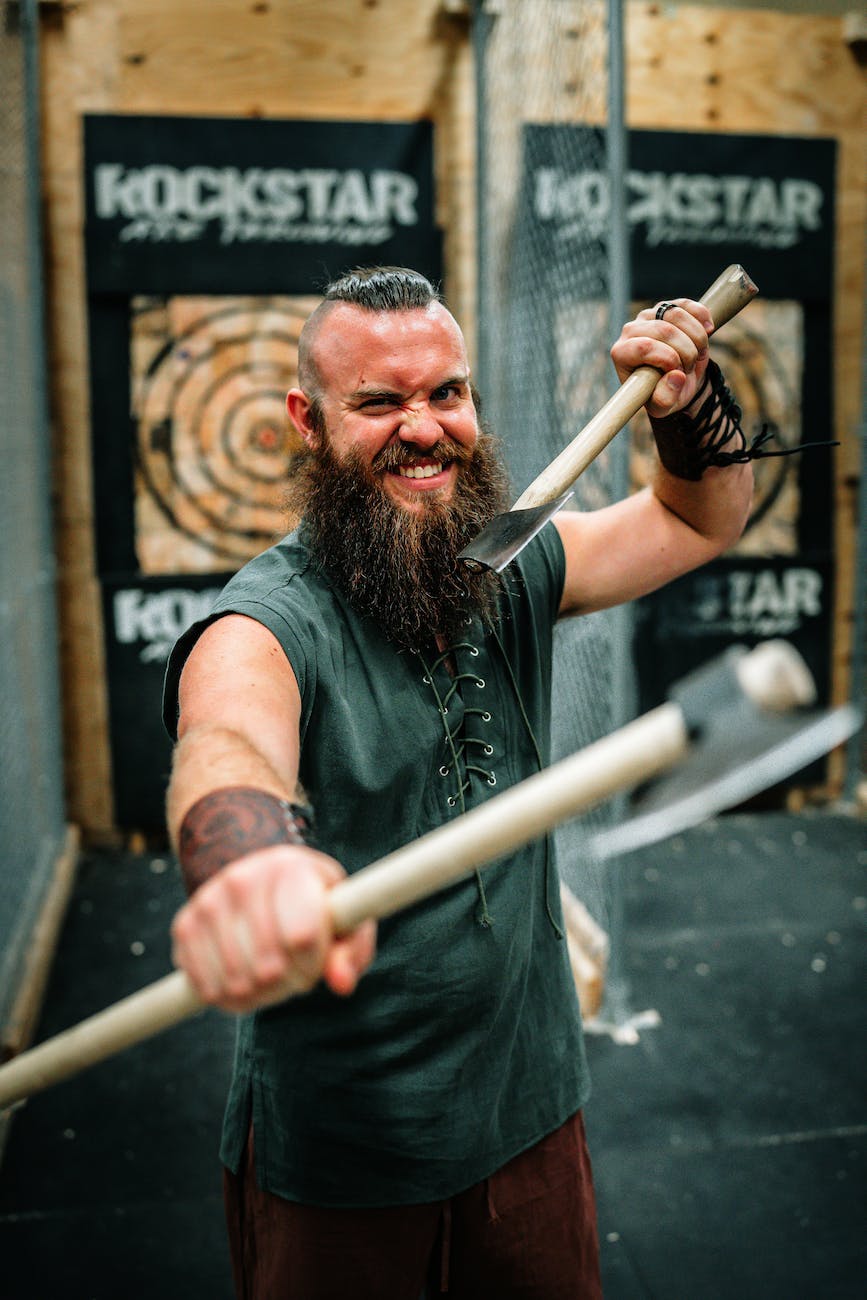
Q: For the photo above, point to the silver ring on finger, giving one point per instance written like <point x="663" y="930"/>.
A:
<point x="663" y="308"/>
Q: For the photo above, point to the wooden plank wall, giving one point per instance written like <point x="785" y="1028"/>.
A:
<point x="688" y="67"/>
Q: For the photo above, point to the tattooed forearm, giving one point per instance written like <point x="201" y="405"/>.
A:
<point x="230" y="823"/>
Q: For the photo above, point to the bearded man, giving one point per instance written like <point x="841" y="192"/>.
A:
<point x="425" y="1131"/>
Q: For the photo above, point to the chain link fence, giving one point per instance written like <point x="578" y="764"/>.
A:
<point x="856" y="753"/>
<point x="31" y="796"/>
<point x="546" y="321"/>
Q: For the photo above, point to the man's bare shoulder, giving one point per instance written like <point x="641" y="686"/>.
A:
<point x="235" y="644"/>
<point x="231" y="633"/>
<point x="236" y="668"/>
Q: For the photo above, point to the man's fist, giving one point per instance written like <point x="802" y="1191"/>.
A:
<point x="260" y="930"/>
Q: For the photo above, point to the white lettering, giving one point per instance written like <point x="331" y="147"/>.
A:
<point x="704" y="205"/>
<point x="767" y="596"/>
<point x="768" y="603"/>
<point x="240" y="197"/>
<point x="351" y="201"/>
<point x="803" y="591"/>
<point x="683" y="206"/>
<point x="281" y="189"/>
<point x="198" y="181"/>
<point x="801" y="203"/>
<point x="763" y="208"/>
<point x="394" y="195"/>
<point x="162" y="203"/>
<point x="161" y="193"/>
<point x="159" y="616"/>
<point x="110" y="196"/>
<point x="735" y="190"/>
<point x="650" y="201"/>
<point x="580" y="196"/>
<point x="319" y="187"/>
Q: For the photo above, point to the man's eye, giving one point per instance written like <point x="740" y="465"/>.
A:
<point x="374" y="404"/>
<point x="448" y="392"/>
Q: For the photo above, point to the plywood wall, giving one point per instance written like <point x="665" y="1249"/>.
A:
<point x="688" y="67"/>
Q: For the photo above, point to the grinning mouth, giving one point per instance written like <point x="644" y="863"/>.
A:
<point x="423" y="471"/>
<point x="420" y="462"/>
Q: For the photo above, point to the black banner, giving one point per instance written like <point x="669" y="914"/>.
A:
<point x="186" y="205"/>
<point x="696" y="202"/>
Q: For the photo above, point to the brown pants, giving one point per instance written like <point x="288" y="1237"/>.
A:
<point x="528" y="1231"/>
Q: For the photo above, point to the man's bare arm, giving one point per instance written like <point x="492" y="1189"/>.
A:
<point x="257" y="926"/>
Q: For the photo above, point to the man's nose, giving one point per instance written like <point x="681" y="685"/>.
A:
<point x="419" y="425"/>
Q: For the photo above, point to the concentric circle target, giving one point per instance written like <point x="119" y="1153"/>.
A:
<point x="213" y="438"/>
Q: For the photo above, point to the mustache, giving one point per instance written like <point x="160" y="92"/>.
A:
<point x="406" y="453"/>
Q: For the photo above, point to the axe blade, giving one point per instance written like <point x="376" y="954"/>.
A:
<point x="718" y="775"/>
<point x="506" y="535"/>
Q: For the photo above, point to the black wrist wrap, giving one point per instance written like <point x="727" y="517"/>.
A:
<point x="690" y="444"/>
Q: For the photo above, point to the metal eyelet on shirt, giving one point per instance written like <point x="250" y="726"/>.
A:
<point x="444" y="771"/>
<point x="486" y="717"/>
<point x="480" y="682"/>
<point x="492" y="780"/>
<point x="426" y="680"/>
<point x="451" y="801"/>
<point x="488" y="749"/>
<point x="474" y="651"/>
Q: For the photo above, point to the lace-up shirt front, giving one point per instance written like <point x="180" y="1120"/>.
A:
<point x="462" y="1045"/>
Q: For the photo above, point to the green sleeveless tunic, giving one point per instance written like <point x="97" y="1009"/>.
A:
<point x="462" y="1045"/>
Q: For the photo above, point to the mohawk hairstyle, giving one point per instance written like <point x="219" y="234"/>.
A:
<point x="383" y="288"/>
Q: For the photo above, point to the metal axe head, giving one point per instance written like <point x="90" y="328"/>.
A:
<point x="738" y="750"/>
<point x="506" y="535"/>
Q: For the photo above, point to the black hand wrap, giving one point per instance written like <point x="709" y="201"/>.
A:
<point x="690" y="444"/>
<point x="230" y="823"/>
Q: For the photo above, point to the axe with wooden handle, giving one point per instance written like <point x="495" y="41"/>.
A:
<point x="506" y="535"/>
<point x="762" y="683"/>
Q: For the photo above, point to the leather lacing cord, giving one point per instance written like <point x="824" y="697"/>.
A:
<point x="538" y="753"/>
<point x="457" y="746"/>
<point x="458" y="750"/>
<point x="688" y="445"/>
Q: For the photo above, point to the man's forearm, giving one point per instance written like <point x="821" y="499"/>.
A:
<point x="705" y="472"/>
<point x="225" y="800"/>
<point x="229" y="824"/>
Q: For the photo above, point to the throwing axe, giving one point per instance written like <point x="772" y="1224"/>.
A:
<point x="760" y="697"/>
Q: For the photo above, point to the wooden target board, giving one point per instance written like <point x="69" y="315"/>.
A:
<point x="209" y="377"/>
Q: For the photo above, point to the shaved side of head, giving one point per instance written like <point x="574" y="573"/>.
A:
<point x="373" y="288"/>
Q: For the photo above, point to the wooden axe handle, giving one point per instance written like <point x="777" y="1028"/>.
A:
<point x="728" y="294"/>
<point x="773" y="673"/>
<point x="643" y="748"/>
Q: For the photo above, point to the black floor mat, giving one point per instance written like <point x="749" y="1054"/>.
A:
<point x="729" y="1142"/>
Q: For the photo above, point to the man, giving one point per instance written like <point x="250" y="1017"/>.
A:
<point x="426" y="1130"/>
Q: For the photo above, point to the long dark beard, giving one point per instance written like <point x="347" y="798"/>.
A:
<point x="395" y="566"/>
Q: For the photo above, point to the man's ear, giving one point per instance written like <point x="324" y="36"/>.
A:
<point x="298" y="407"/>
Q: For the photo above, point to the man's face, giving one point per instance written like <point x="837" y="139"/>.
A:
<point x="396" y="397"/>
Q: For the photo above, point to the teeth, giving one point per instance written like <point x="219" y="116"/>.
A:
<point x="419" y="471"/>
